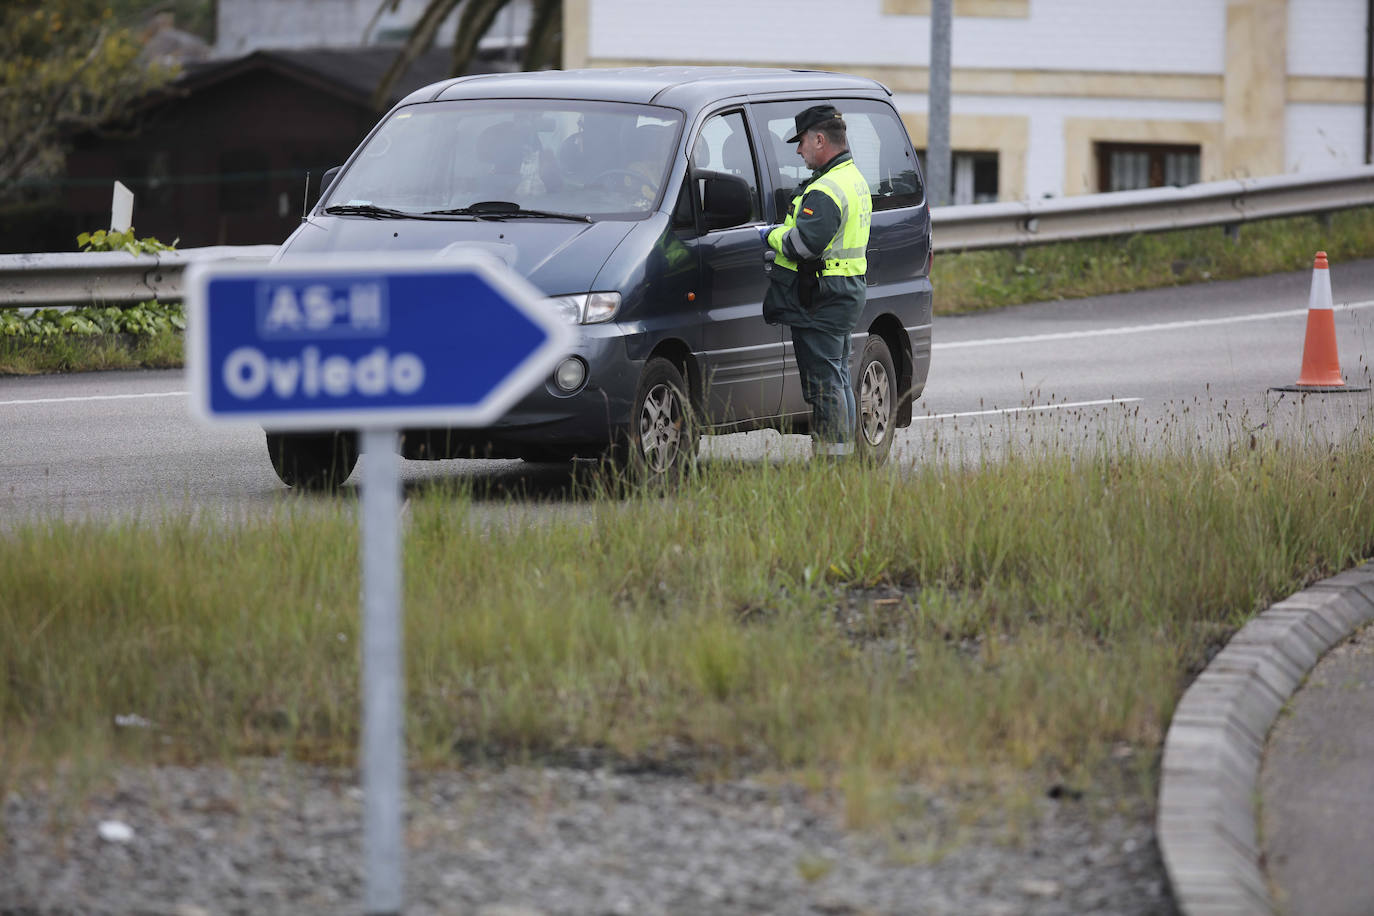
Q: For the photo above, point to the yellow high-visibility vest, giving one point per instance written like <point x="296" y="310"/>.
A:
<point x="846" y="253"/>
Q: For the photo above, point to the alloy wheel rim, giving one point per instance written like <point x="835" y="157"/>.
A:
<point x="876" y="404"/>
<point x="660" y="428"/>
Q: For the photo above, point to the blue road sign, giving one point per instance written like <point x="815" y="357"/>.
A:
<point x="349" y="344"/>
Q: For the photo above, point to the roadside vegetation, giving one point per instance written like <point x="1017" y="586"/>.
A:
<point x="143" y="336"/>
<point x="147" y="335"/>
<point x="996" y="628"/>
<point x="151" y="337"/>
<point x="974" y="280"/>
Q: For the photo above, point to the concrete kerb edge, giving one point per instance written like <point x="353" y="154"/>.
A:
<point x="1215" y="721"/>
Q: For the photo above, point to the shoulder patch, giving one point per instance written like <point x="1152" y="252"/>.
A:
<point x="808" y="211"/>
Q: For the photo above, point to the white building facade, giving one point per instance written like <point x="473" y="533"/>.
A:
<point x="1051" y="97"/>
<point x="244" y="26"/>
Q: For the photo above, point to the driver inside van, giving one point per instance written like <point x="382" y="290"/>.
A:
<point x="630" y="162"/>
<point x="648" y="145"/>
<point x="517" y="163"/>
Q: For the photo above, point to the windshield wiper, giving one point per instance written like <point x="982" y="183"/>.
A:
<point x="371" y="210"/>
<point x="502" y="209"/>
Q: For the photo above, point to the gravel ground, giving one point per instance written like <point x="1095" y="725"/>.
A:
<point x="266" y="837"/>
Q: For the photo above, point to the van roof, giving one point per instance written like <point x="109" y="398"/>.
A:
<point x="687" y="88"/>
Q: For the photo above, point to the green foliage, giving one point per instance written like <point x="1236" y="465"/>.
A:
<point x="145" y="335"/>
<point x="112" y="240"/>
<point x="65" y="65"/>
<point x="145" y="319"/>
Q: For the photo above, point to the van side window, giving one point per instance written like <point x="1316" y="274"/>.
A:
<point x="877" y="140"/>
<point x="723" y="146"/>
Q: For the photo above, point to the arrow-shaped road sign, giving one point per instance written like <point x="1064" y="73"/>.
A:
<point x="344" y="344"/>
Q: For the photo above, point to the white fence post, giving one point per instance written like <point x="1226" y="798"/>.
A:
<point x="121" y="208"/>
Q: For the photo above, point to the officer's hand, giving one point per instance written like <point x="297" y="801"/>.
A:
<point x="764" y="232"/>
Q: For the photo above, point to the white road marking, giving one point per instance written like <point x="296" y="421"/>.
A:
<point x="1033" y="407"/>
<point x="97" y="397"/>
<point x="1137" y="328"/>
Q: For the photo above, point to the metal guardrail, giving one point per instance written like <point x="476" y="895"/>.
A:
<point x="107" y="277"/>
<point x="1214" y="203"/>
<point x="117" y="278"/>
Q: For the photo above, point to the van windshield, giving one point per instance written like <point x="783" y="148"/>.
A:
<point x="603" y="160"/>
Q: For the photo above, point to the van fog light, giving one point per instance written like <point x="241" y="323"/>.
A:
<point x="570" y="374"/>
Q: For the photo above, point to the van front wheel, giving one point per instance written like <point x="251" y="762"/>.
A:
<point x="313" y="461"/>
<point x="663" y="437"/>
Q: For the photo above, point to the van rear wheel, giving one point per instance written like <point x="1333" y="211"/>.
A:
<point x="877" y="401"/>
<point x="313" y="461"/>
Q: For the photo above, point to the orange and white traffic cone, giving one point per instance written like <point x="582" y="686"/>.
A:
<point x="1321" y="366"/>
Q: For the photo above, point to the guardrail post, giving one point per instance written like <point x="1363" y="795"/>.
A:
<point x="121" y="208"/>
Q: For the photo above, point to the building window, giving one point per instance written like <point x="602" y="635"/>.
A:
<point x="1128" y="166"/>
<point x="972" y="176"/>
<point x="975" y="178"/>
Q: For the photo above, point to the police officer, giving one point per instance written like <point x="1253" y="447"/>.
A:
<point x="817" y="283"/>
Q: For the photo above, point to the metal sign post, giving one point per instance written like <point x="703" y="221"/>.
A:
<point x="383" y="751"/>
<point x="339" y="345"/>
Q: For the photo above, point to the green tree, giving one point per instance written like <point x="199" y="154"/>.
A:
<point x="65" y="65"/>
<point x="543" y="42"/>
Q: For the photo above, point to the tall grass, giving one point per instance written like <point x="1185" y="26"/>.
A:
<point x="997" y="624"/>
<point x="60" y="353"/>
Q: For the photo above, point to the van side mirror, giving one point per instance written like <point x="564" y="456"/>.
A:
<point x="327" y="179"/>
<point x="726" y="200"/>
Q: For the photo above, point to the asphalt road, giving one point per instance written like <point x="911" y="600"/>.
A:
<point x="1316" y="790"/>
<point x="1191" y="363"/>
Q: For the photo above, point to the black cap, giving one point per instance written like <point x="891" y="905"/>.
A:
<point x="816" y="114"/>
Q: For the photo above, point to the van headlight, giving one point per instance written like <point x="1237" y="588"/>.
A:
<point x="587" y="308"/>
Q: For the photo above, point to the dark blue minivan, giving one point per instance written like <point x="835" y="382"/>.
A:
<point x="632" y="199"/>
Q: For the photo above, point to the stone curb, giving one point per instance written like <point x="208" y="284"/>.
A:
<point x="1206" y="823"/>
